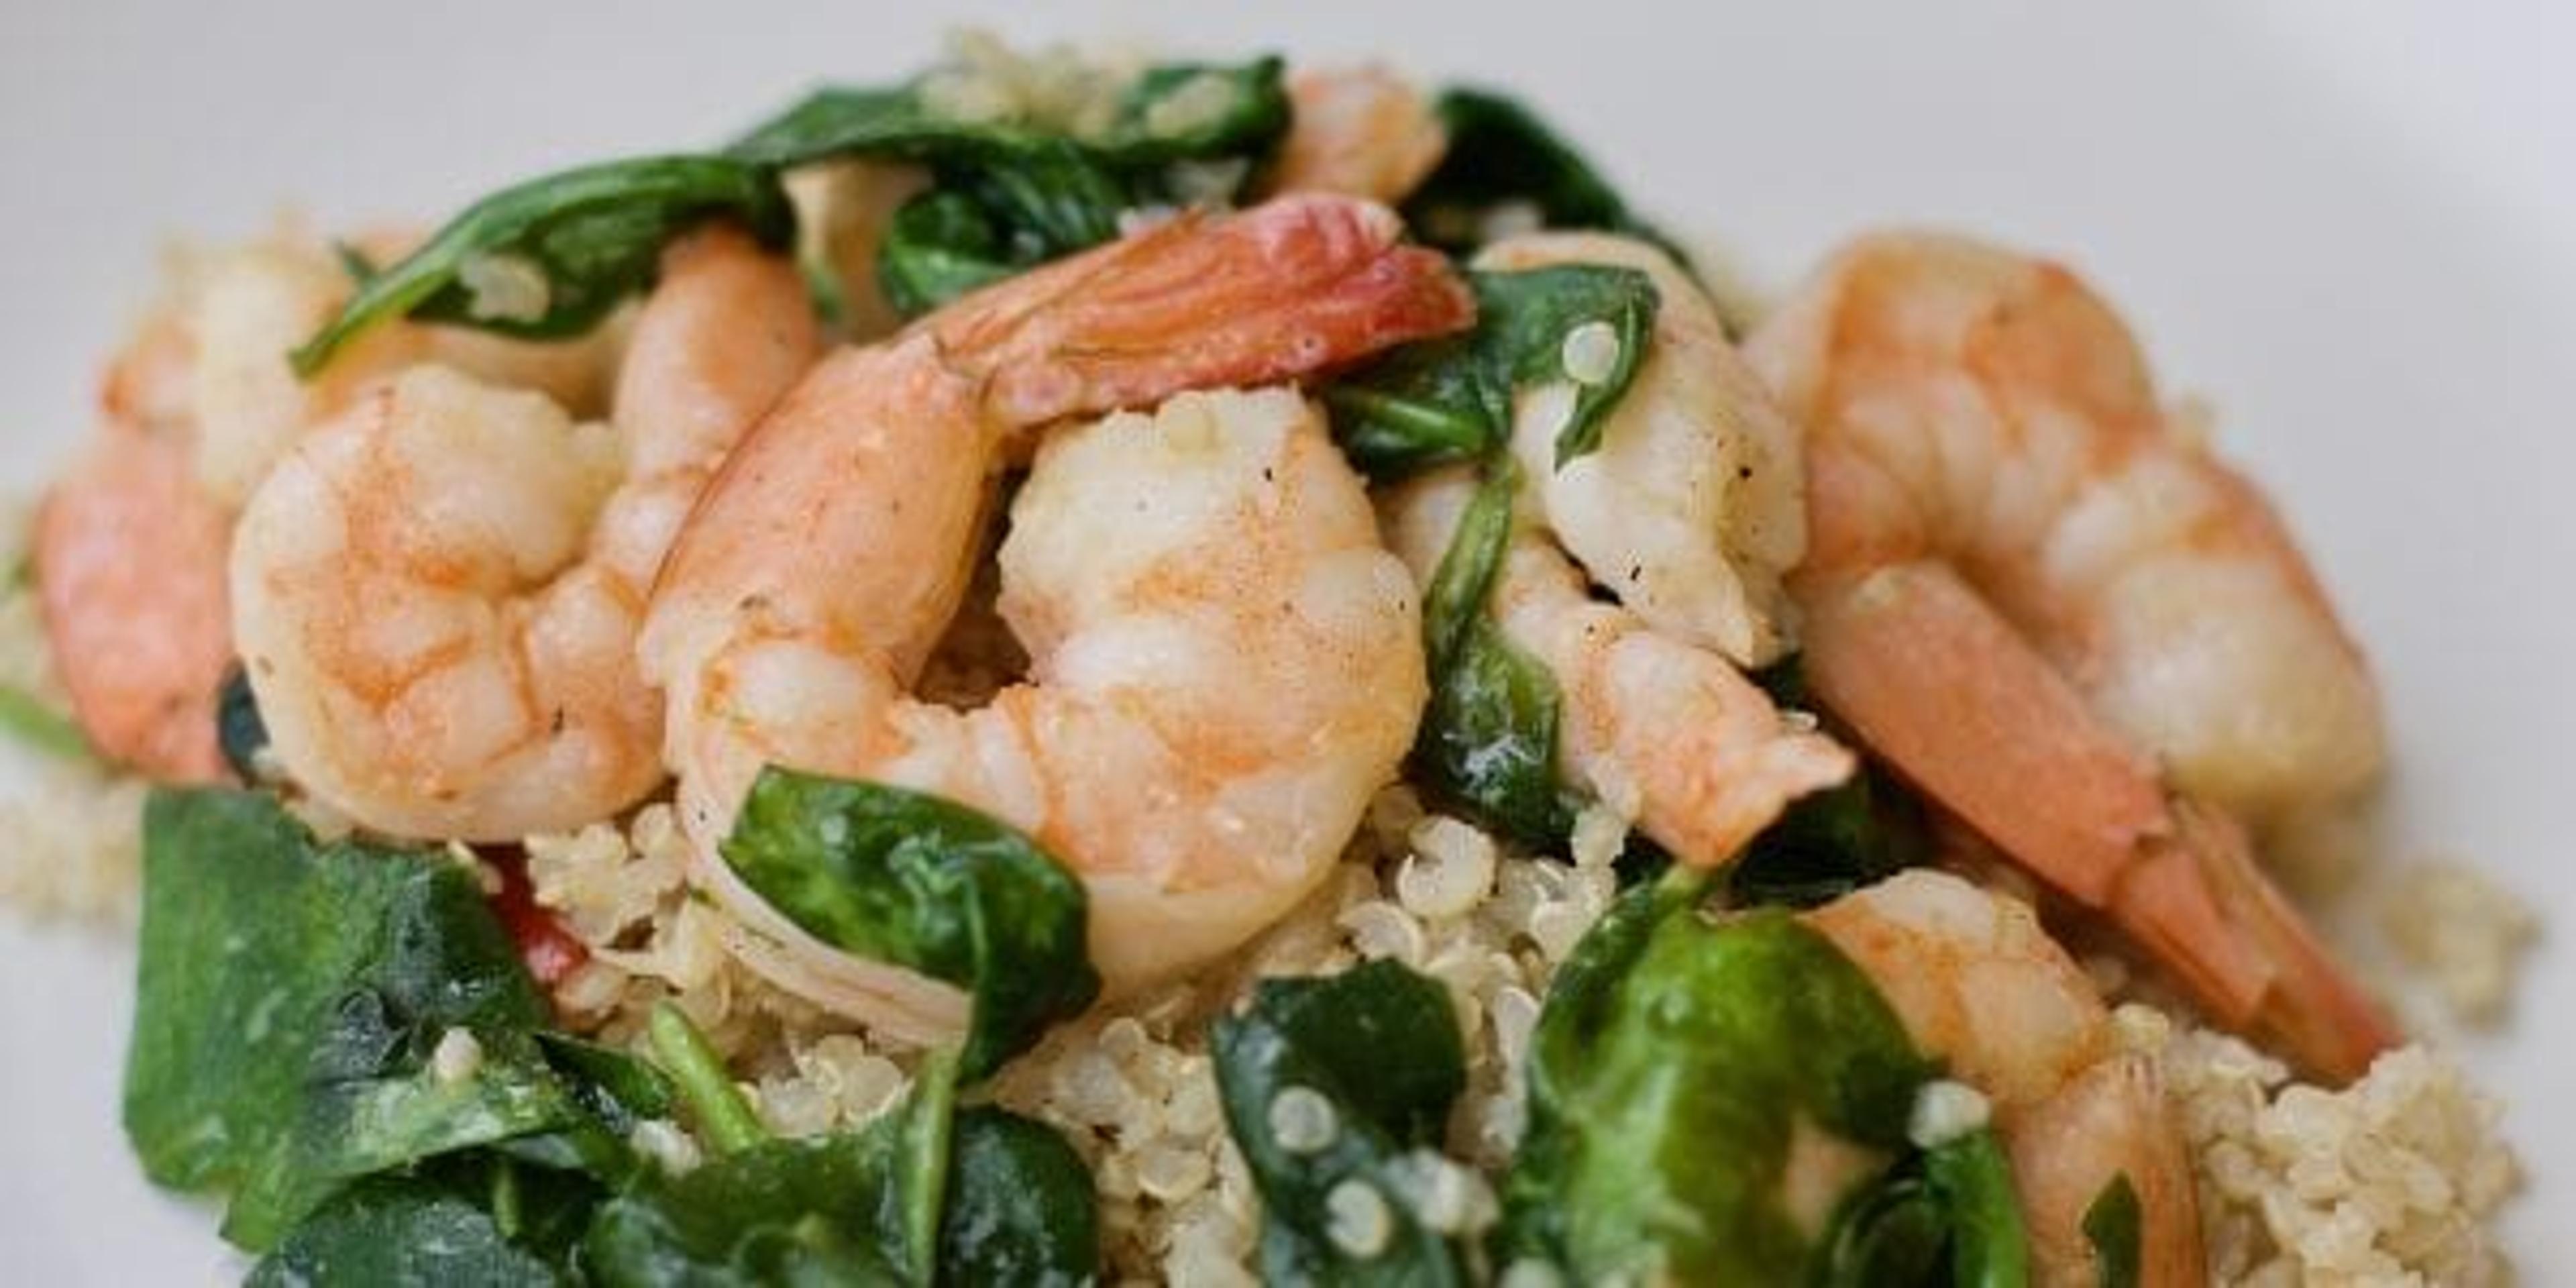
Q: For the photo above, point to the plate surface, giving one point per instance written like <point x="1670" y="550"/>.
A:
<point x="2354" y="232"/>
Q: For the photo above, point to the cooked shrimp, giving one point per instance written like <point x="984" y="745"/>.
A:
<point x="130" y="549"/>
<point x="2051" y="611"/>
<point x="129" y="559"/>
<point x="1360" y="131"/>
<point x="1664" y="730"/>
<point x="1692" y="507"/>
<point x="1225" y="663"/>
<point x="437" y="594"/>
<point x="1979" y="985"/>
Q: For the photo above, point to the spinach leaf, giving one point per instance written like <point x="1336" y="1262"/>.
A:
<point x="926" y="884"/>
<point x="1829" y="843"/>
<point x="478" y="1220"/>
<point x="1330" y="1086"/>
<point x="1947" y="1218"/>
<point x="1667" y="1032"/>
<point x="1500" y="154"/>
<point x="924" y="1195"/>
<point x="784" y="1211"/>
<point x="290" y="997"/>
<point x="1989" y="1248"/>
<point x="1451" y="398"/>
<point x="1009" y="194"/>
<point x="1489" y="736"/>
<point x="32" y="721"/>
<point x="1174" y="112"/>
<point x="573" y="244"/>
<point x="2111" y="1226"/>
<point x="1020" y="1206"/>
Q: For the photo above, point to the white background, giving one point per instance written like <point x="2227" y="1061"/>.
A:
<point x="2354" y="230"/>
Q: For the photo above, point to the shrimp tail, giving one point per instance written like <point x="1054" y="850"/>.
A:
<point x="2314" y="1009"/>
<point x="1937" y="684"/>
<point x="1294" y="285"/>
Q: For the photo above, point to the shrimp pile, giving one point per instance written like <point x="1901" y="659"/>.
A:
<point x="2070" y="624"/>
<point x="483" y="588"/>
<point x="1257" y="688"/>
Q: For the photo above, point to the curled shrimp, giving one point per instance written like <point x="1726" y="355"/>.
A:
<point x="437" y="594"/>
<point x="1690" y="510"/>
<point x="1664" y="730"/>
<point x="1978" y="984"/>
<point x="130" y="548"/>
<point x="129" y="559"/>
<point x="1360" y="131"/>
<point x="2069" y="624"/>
<point x="1225" y="664"/>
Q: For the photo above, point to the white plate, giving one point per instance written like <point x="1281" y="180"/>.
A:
<point x="2354" y="231"/>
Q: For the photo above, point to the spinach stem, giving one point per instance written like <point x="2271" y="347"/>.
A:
<point x="721" y="1115"/>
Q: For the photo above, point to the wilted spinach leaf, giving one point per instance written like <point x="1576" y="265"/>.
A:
<point x="584" y="239"/>
<point x="1020" y="1209"/>
<point x="1501" y="154"/>
<point x="1667" y="1033"/>
<point x="929" y="885"/>
<point x="1451" y="398"/>
<point x="1946" y="1218"/>
<point x="1489" y="736"/>
<point x="926" y="1194"/>
<point x="1828" y="843"/>
<point x="480" y="1220"/>
<point x="1008" y="194"/>
<point x="1334" y="1082"/>
<point x="289" y="996"/>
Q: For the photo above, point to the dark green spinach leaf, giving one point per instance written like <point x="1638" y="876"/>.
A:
<point x="1009" y="194"/>
<point x="1020" y="1208"/>
<point x="1359" y="1071"/>
<point x="290" y="996"/>
<point x="929" y="885"/>
<point x="1489" y="737"/>
<point x="583" y="239"/>
<point x="479" y="1220"/>
<point x="1829" y="843"/>
<point x="927" y="1194"/>
<point x="1451" y="398"/>
<point x="1500" y="154"/>
<point x="2111" y="1226"/>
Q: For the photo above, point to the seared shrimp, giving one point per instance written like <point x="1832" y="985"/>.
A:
<point x="1360" y="131"/>
<point x="1225" y="662"/>
<point x="437" y="595"/>
<point x="1691" y="509"/>
<point x="1979" y="985"/>
<point x="1661" y="729"/>
<point x="2053" y="612"/>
